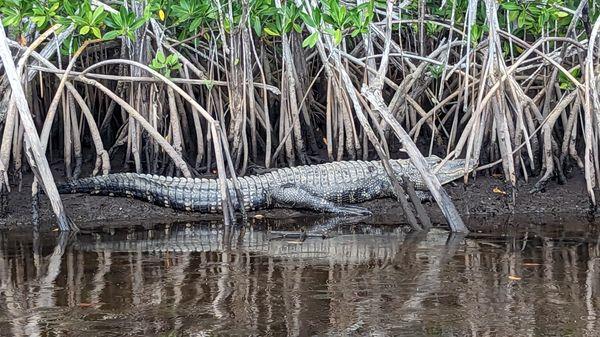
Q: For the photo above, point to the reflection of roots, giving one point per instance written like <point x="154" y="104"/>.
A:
<point x="223" y="292"/>
<point x="3" y="200"/>
<point x="528" y="104"/>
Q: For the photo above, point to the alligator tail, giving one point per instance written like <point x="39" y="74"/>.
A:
<point x="117" y="184"/>
<point x="177" y="193"/>
<point x="138" y="186"/>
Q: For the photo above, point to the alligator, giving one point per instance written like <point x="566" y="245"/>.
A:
<point x="325" y="188"/>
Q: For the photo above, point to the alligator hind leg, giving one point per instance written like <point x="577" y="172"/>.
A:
<point x="425" y="196"/>
<point x="292" y="196"/>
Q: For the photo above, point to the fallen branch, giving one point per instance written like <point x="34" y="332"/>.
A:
<point x="436" y="189"/>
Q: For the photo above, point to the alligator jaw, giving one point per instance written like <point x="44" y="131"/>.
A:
<point x="454" y="169"/>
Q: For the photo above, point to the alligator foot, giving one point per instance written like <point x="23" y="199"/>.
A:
<point x="349" y="210"/>
<point x="425" y="196"/>
<point x="292" y="196"/>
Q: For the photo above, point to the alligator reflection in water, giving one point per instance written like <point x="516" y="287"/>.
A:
<point x="193" y="279"/>
<point x="373" y="245"/>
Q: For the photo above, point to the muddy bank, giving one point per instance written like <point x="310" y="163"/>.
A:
<point x="484" y="202"/>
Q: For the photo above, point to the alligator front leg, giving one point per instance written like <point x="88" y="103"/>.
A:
<point x="292" y="196"/>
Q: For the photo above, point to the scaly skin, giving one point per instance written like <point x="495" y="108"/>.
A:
<point x="322" y="188"/>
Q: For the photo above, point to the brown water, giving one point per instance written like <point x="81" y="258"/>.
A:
<point x="197" y="280"/>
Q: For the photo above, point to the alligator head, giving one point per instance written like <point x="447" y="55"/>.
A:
<point x="453" y="169"/>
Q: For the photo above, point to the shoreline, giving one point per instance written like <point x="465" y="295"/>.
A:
<point x="484" y="203"/>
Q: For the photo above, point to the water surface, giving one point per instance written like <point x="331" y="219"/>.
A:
<point x="198" y="280"/>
